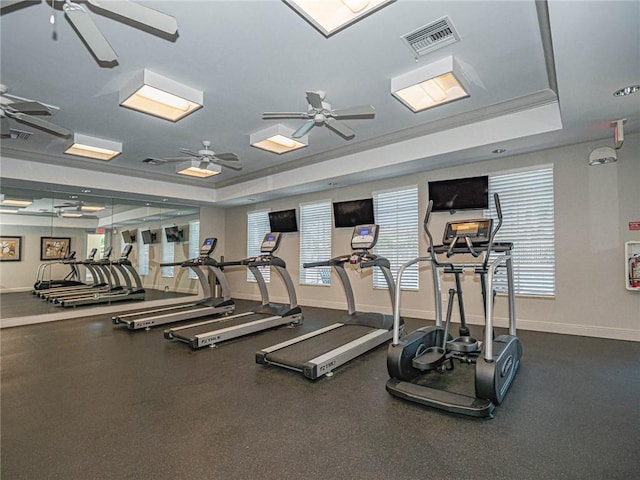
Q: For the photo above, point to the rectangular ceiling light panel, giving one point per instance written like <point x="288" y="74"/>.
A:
<point x="93" y="147"/>
<point x="195" y="168"/>
<point x="432" y="85"/>
<point x="331" y="16"/>
<point x="160" y="96"/>
<point x="277" y="139"/>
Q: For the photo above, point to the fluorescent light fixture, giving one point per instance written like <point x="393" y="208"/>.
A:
<point x="8" y="210"/>
<point x="160" y="96"/>
<point x="93" y="147"/>
<point x="277" y="139"/>
<point x="196" y="168"/>
<point x="432" y="85"/>
<point x="91" y="208"/>
<point x="331" y="16"/>
<point x="15" y="202"/>
<point x="71" y="214"/>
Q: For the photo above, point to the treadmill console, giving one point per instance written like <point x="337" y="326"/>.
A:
<point x="270" y="243"/>
<point x="107" y="253"/>
<point x="208" y="246"/>
<point x="477" y="231"/>
<point x="364" y="237"/>
<point x="126" y="251"/>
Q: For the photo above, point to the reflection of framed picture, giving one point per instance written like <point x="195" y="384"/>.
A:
<point x="52" y="248"/>
<point x="10" y="249"/>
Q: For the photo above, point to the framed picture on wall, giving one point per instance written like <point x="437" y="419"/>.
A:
<point x="10" y="249"/>
<point x="53" y="248"/>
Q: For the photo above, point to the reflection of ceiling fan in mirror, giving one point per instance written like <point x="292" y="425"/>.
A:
<point x="202" y="163"/>
<point x="76" y="209"/>
<point x="27" y="112"/>
<point x="78" y="15"/>
<point x="320" y="112"/>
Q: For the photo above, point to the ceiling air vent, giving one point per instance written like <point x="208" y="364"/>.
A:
<point x="431" y="37"/>
<point x="20" y="134"/>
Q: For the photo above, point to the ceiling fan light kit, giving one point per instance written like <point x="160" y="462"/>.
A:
<point x="331" y="16"/>
<point x="197" y="168"/>
<point x="277" y="139"/>
<point x="429" y="86"/>
<point x="156" y="95"/>
<point x="92" y="147"/>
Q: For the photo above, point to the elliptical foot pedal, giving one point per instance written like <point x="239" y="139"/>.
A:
<point x="429" y="359"/>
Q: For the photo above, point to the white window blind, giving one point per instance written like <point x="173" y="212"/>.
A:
<point x="143" y="256"/>
<point x="315" y="242"/>
<point x="527" y="203"/>
<point x="167" y="253"/>
<point x="396" y="214"/>
<point x="194" y="243"/>
<point x="257" y="228"/>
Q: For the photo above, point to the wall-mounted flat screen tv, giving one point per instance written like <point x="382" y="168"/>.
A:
<point x="173" y="234"/>
<point x="353" y="212"/>
<point x="148" y="237"/>
<point x="283" y="221"/>
<point x="128" y="236"/>
<point x="459" y="194"/>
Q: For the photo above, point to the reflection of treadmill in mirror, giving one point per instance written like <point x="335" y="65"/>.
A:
<point x="318" y="353"/>
<point x="209" y="305"/>
<point x="267" y="315"/>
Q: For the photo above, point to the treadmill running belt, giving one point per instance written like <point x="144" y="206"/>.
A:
<point x="298" y="354"/>
<point x="218" y="324"/>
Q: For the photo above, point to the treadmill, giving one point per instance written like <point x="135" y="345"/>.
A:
<point x="209" y="305"/>
<point x="209" y="333"/>
<point x="319" y="352"/>
<point x="114" y="292"/>
<point x="99" y="273"/>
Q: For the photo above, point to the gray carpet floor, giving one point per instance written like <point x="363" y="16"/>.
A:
<point x="86" y="399"/>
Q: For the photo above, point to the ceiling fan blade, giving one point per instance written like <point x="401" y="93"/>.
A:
<point x="340" y="128"/>
<point x="31" y="108"/>
<point x="154" y="161"/>
<point x="176" y="159"/>
<point x="237" y="168"/>
<point x="360" y="111"/>
<point x="315" y="100"/>
<point x="227" y="157"/>
<point x="268" y="115"/>
<point x="6" y="128"/>
<point x="190" y="152"/>
<point x="141" y="14"/>
<point x="304" y="129"/>
<point x="42" y="124"/>
<point x="89" y="32"/>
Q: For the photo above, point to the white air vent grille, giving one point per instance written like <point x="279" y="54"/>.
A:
<point x="431" y="37"/>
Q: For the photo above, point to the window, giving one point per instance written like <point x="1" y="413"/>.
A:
<point x="194" y="243"/>
<point x="167" y="253"/>
<point x="315" y="242"/>
<point x="143" y="257"/>
<point x="396" y="213"/>
<point x="257" y="228"/>
<point x="526" y="199"/>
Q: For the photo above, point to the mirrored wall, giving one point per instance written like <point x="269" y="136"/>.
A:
<point x="62" y="238"/>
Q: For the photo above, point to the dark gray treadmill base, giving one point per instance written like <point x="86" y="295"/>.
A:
<point x="189" y="334"/>
<point x="297" y="354"/>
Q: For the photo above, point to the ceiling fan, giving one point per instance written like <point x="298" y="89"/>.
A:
<point x="205" y="155"/>
<point x="321" y="113"/>
<point x="26" y="111"/>
<point x="91" y="34"/>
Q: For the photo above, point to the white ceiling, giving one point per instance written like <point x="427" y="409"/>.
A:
<point x="540" y="74"/>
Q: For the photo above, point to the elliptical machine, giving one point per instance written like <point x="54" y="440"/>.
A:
<point x="421" y="364"/>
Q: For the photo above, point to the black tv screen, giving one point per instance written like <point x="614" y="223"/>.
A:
<point x="173" y="234"/>
<point x="459" y="194"/>
<point x="147" y="237"/>
<point x="283" y="221"/>
<point x="353" y="212"/>
<point x="128" y="236"/>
